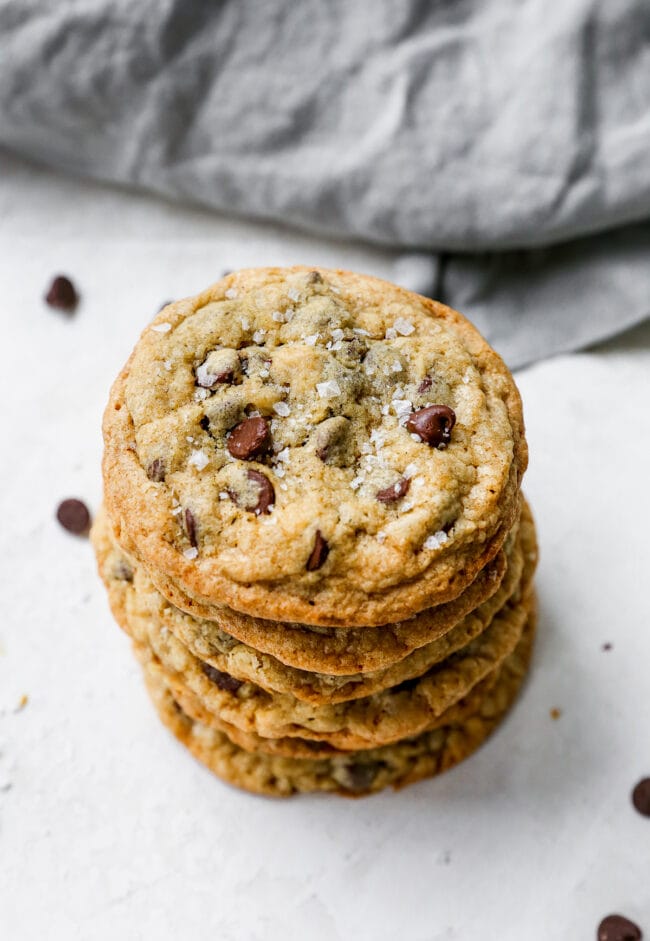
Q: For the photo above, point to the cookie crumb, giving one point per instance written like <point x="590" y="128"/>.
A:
<point x="22" y="702"/>
<point x="555" y="713"/>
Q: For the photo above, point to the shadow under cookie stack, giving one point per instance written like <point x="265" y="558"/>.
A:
<point x="314" y="533"/>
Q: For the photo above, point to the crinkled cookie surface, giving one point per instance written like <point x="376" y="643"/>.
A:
<point x="315" y="446"/>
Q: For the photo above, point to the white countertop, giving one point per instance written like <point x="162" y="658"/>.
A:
<point x="109" y="829"/>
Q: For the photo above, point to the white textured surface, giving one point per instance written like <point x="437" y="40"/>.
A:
<point x="109" y="830"/>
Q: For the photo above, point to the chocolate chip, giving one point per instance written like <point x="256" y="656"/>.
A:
<point x="607" y="646"/>
<point x="222" y="377"/>
<point x="190" y="527"/>
<point x="360" y="775"/>
<point x="220" y="367"/>
<point x="266" y="497"/>
<point x="122" y="571"/>
<point x="425" y="384"/>
<point x="62" y="294"/>
<point x="433" y="425"/>
<point x="617" y="928"/>
<point x="249" y="439"/>
<point x="223" y="680"/>
<point x="73" y="515"/>
<point x="395" y="492"/>
<point x="156" y="470"/>
<point x="319" y="553"/>
<point x="641" y="797"/>
<point x="331" y="441"/>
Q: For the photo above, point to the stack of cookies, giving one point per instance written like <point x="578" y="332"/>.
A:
<point x="314" y="531"/>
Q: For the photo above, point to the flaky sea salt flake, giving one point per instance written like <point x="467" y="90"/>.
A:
<point x="191" y="553"/>
<point x="402" y="408"/>
<point x="161" y="327"/>
<point x="436" y="540"/>
<point x="405" y="327"/>
<point x="328" y="389"/>
<point x="231" y="294"/>
<point x="198" y="459"/>
<point x="282" y="409"/>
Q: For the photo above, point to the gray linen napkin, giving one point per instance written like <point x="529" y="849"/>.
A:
<point x="503" y="142"/>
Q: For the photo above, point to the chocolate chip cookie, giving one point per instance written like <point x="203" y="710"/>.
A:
<point x="313" y="446"/>
<point x="358" y="773"/>
<point x="143" y="611"/>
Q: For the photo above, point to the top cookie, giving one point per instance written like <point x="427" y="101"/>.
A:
<point x="314" y="446"/>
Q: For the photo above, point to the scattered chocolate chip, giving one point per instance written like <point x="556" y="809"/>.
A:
<point x="361" y="775"/>
<point x="190" y="527"/>
<point x="249" y="439"/>
<point x="617" y="928"/>
<point x="205" y="423"/>
<point x="641" y="797"/>
<point x="314" y="277"/>
<point x="607" y="646"/>
<point x="425" y="384"/>
<point x="62" y="294"/>
<point x="73" y="515"/>
<point x="266" y="497"/>
<point x="433" y="425"/>
<point x="156" y="470"/>
<point x="395" y="492"/>
<point x="223" y="680"/>
<point x="318" y="554"/>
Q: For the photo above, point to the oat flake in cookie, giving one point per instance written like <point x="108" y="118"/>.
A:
<point x="346" y="450"/>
